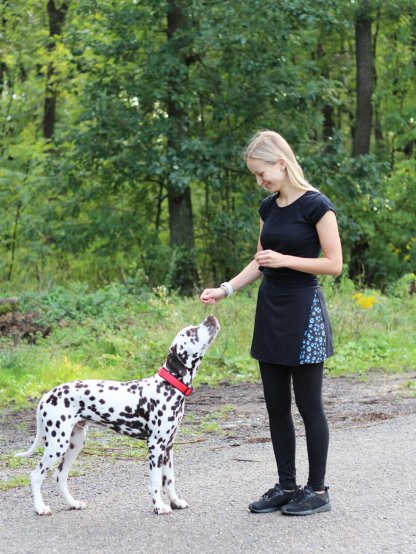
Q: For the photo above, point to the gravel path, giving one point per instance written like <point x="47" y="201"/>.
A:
<point x="371" y="473"/>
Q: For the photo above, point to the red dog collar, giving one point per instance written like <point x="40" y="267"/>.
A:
<point x="174" y="381"/>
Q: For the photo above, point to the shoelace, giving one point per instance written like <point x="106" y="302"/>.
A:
<point x="299" y="496"/>
<point x="269" y="493"/>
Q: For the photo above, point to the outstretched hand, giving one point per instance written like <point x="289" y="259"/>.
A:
<point x="212" y="296"/>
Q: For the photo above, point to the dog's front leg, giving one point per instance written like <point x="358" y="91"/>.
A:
<point x="169" y="481"/>
<point x="156" y="456"/>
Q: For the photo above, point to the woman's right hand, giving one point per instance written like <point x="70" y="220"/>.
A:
<point x="212" y="296"/>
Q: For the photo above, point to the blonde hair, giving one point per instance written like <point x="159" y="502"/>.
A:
<point x="268" y="146"/>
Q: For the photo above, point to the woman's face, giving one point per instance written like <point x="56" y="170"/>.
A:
<point x="269" y="176"/>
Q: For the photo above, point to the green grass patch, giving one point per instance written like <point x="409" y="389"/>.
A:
<point x="120" y="335"/>
<point x="410" y="387"/>
<point x="15" y="482"/>
<point x="109" y="445"/>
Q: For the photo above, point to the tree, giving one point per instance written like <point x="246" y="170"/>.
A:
<point x="56" y="15"/>
<point x="140" y="176"/>
<point x="179" y="43"/>
<point x="364" y="79"/>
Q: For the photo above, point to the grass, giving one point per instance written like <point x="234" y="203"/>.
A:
<point x="14" y="482"/>
<point x="115" y="334"/>
<point x="109" y="445"/>
<point x="410" y="387"/>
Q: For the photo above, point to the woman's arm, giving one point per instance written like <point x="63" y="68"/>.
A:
<point x="249" y="274"/>
<point x="329" y="264"/>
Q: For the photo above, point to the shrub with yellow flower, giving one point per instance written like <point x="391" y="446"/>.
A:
<point x="365" y="301"/>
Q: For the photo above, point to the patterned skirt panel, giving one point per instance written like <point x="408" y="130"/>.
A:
<point x="313" y="348"/>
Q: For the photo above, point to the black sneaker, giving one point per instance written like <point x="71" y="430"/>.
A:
<point x="273" y="500"/>
<point x="307" y="502"/>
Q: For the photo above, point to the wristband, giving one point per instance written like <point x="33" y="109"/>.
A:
<point x="227" y="288"/>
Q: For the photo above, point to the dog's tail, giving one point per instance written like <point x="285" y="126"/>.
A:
<point x="39" y="432"/>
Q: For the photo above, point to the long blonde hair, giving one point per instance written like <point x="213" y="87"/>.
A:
<point x="268" y="146"/>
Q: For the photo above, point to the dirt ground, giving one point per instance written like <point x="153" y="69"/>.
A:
<point x="349" y="402"/>
<point x="235" y="414"/>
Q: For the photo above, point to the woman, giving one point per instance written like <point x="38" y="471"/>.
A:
<point x="292" y="333"/>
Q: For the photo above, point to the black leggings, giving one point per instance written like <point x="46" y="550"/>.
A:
<point x="307" y="386"/>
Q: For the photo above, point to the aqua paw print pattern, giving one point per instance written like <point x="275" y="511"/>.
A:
<point x="313" y="350"/>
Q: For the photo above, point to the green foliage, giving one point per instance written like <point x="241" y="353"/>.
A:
<point x="405" y="286"/>
<point x="110" y="335"/>
<point x="91" y="204"/>
<point x="371" y="330"/>
<point x="78" y="303"/>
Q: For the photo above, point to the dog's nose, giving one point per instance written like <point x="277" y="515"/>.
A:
<point x="212" y="321"/>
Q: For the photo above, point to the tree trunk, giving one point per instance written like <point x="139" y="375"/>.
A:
<point x="181" y="227"/>
<point x="364" y="79"/>
<point x="378" y="130"/>
<point x="328" y="125"/>
<point x="363" y="114"/>
<point x="56" y="17"/>
<point x="14" y="240"/>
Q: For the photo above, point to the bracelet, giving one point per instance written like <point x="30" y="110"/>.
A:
<point x="227" y="288"/>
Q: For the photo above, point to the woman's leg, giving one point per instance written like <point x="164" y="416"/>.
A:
<point x="277" y="393"/>
<point x="307" y="386"/>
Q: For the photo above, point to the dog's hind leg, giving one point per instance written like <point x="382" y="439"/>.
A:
<point x="168" y="480"/>
<point x="50" y="456"/>
<point x="57" y="439"/>
<point x="77" y="441"/>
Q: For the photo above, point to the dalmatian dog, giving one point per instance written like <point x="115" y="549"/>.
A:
<point x="149" y="409"/>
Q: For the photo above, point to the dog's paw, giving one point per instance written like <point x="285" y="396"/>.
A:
<point x="44" y="511"/>
<point x="162" y="509"/>
<point x="77" y="505"/>
<point x="179" y="504"/>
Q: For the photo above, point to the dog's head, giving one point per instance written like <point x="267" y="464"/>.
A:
<point x="190" y="345"/>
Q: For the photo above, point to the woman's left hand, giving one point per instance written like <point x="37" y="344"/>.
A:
<point x="270" y="258"/>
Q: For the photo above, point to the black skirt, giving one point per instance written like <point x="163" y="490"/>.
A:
<point x="292" y="325"/>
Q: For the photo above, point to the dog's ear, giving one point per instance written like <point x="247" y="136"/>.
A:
<point x="174" y="363"/>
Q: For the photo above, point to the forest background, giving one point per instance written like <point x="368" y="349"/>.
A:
<point x="122" y="125"/>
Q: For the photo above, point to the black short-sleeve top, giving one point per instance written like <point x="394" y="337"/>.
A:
<point x="291" y="230"/>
